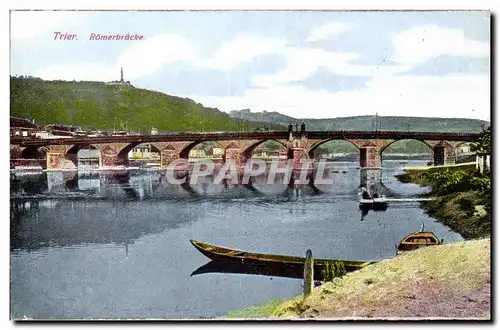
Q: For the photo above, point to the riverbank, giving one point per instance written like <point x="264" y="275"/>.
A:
<point x="445" y="281"/>
<point x="462" y="198"/>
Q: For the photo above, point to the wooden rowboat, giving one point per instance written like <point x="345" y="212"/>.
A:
<point x="222" y="254"/>
<point x="418" y="239"/>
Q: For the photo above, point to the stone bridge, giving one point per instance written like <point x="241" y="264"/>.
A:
<point x="61" y="153"/>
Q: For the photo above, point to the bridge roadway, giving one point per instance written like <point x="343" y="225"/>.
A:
<point x="220" y="136"/>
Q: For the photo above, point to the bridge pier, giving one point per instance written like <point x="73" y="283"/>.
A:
<point x="15" y="152"/>
<point x="108" y="159"/>
<point x="167" y="157"/>
<point x="370" y="157"/>
<point x="59" y="161"/>
<point x="443" y="154"/>
<point x="368" y="177"/>
<point x="298" y="155"/>
<point x="236" y="156"/>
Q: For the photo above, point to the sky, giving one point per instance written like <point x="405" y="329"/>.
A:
<point x="305" y="64"/>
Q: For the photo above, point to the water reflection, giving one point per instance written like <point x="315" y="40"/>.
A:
<point x="66" y="223"/>
<point x="28" y="185"/>
<point x="72" y="208"/>
<point x="138" y="186"/>
<point x="236" y="268"/>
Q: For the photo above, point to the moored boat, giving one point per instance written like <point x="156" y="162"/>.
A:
<point x="223" y="254"/>
<point x="372" y="202"/>
<point x="376" y="204"/>
<point x="417" y="240"/>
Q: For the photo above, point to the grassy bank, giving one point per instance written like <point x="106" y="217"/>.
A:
<point x="264" y="310"/>
<point x="444" y="281"/>
<point x="462" y="198"/>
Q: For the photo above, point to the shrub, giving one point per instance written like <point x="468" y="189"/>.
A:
<point x="451" y="180"/>
<point x="332" y="270"/>
<point x="481" y="183"/>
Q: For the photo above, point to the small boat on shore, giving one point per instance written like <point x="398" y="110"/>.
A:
<point x="222" y="254"/>
<point x="417" y="240"/>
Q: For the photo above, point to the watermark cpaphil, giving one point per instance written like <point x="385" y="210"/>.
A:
<point x="176" y="171"/>
<point x="253" y="167"/>
<point x="320" y="170"/>
<point x="201" y="168"/>
<point x="277" y="169"/>
<point x="180" y="170"/>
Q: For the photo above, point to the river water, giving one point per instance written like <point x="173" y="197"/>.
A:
<point x="117" y="246"/>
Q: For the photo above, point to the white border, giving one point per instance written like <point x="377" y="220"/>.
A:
<point x="191" y="5"/>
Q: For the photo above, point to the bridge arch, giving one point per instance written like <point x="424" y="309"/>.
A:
<point x="184" y="153"/>
<point x="74" y="149"/>
<point x="400" y="148"/>
<point x="123" y="155"/>
<point x="74" y="152"/>
<point x="34" y="152"/>
<point x="248" y="151"/>
<point x="396" y="141"/>
<point x="315" y="146"/>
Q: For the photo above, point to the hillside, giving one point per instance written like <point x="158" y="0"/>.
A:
<point x="264" y="116"/>
<point x="103" y="106"/>
<point x="369" y="122"/>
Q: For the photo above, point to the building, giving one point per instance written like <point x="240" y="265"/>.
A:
<point x="217" y="152"/>
<point x="464" y="149"/>
<point x="20" y="127"/>
<point x="197" y="153"/>
<point x="143" y="152"/>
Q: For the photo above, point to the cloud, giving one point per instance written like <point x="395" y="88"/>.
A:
<point x="152" y="54"/>
<point x="149" y="56"/>
<point x="33" y="24"/>
<point x="240" y="50"/>
<point x="304" y="62"/>
<point x="330" y="29"/>
<point x="425" y="96"/>
<point x="146" y="57"/>
<point x="389" y="89"/>
<point x="420" y="44"/>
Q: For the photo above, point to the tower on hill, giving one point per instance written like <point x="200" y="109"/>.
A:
<point x="121" y="81"/>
